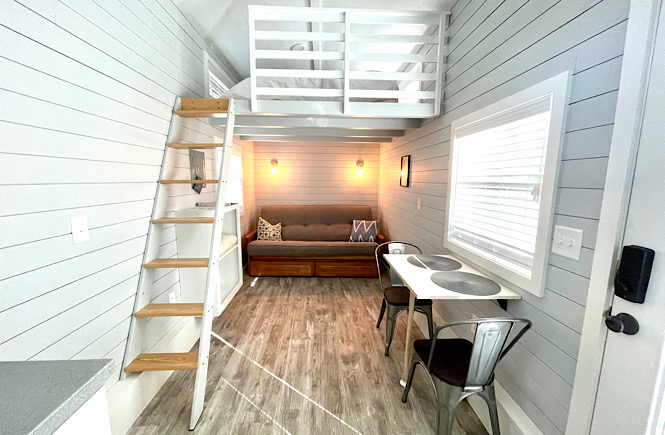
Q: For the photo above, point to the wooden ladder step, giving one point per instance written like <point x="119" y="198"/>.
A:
<point x="202" y="108"/>
<point x="166" y="263"/>
<point x="188" y="181"/>
<point x="170" y="310"/>
<point x="194" y="146"/>
<point x="184" y="220"/>
<point x="149" y="362"/>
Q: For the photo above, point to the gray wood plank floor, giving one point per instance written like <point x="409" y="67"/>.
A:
<point x="318" y="336"/>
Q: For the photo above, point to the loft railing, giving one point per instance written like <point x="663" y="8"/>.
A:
<point x="342" y="50"/>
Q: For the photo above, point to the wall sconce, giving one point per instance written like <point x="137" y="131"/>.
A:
<point x="360" y="163"/>
<point x="274" y="164"/>
<point x="405" y="171"/>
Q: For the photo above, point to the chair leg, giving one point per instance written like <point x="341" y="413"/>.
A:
<point x="390" y="324"/>
<point x="490" y="399"/>
<point x="383" y="310"/>
<point x="430" y="322"/>
<point x="409" y="381"/>
<point x="448" y="397"/>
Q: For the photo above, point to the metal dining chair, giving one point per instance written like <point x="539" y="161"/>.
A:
<point x="459" y="368"/>
<point x="396" y="300"/>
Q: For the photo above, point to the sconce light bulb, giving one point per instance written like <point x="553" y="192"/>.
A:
<point x="273" y="171"/>
<point x="403" y="173"/>
<point x="360" y="172"/>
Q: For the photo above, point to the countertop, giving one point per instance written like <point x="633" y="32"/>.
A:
<point x="37" y="397"/>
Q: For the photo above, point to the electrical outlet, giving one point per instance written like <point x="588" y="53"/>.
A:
<point x="567" y="242"/>
<point x="172" y="298"/>
<point x="79" y="225"/>
<point x="419" y="203"/>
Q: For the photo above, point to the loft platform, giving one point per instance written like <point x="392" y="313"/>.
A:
<point x="359" y="67"/>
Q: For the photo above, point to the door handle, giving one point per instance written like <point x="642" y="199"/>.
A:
<point x="622" y="322"/>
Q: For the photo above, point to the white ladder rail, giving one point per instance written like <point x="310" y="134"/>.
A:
<point x="212" y="281"/>
<point x="151" y="249"/>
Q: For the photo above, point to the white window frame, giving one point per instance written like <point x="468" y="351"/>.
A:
<point x="210" y="65"/>
<point x="559" y="87"/>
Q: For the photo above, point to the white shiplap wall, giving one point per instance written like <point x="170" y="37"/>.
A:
<point x="498" y="47"/>
<point x="87" y="92"/>
<point x="316" y="173"/>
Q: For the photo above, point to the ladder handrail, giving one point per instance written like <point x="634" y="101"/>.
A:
<point x="213" y="279"/>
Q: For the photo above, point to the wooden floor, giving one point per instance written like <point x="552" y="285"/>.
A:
<point x="318" y="335"/>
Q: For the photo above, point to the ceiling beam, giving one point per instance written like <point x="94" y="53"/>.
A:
<point x="311" y="121"/>
<point x="376" y="140"/>
<point x="315" y="131"/>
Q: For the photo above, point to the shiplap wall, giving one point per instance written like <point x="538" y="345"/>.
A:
<point x="498" y="47"/>
<point x="316" y="173"/>
<point x="87" y="92"/>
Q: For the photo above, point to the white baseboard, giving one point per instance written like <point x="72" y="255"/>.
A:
<point x="512" y="418"/>
<point x="129" y="397"/>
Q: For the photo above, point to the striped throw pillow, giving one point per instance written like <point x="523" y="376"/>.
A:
<point x="363" y="231"/>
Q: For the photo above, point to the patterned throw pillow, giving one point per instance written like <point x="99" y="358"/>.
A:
<point x="266" y="231"/>
<point x="363" y="231"/>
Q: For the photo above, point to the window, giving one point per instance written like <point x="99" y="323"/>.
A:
<point x="217" y="81"/>
<point x="504" y="161"/>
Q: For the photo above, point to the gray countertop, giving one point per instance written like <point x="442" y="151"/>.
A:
<point x="37" y="397"/>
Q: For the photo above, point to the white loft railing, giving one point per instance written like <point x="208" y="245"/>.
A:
<point x="342" y="43"/>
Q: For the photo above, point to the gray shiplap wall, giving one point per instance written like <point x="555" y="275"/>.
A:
<point x="316" y="173"/>
<point x="498" y="47"/>
<point x="87" y="91"/>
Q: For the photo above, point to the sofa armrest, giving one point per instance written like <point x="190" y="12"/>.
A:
<point x="249" y="237"/>
<point x="381" y="238"/>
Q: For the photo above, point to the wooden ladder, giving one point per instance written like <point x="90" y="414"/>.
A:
<point x="142" y="362"/>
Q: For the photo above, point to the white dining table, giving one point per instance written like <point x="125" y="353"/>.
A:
<point x="419" y="282"/>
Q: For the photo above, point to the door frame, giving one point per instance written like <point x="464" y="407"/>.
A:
<point x="635" y="73"/>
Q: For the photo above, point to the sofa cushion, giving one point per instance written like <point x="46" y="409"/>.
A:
<point x="317" y="232"/>
<point x="310" y="249"/>
<point x="315" y="214"/>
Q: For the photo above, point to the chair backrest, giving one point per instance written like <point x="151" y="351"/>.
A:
<point x="491" y="342"/>
<point x="377" y="255"/>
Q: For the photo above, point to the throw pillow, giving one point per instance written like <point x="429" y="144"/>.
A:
<point x="363" y="231"/>
<point x="267" y="231"/>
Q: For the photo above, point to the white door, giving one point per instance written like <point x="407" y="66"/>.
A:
<point x="630" y="388"/>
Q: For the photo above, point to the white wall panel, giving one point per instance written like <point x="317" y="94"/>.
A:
<point x="497" y="49"/>
<point x="87" y="100"/>
<point x="316" y="173"/>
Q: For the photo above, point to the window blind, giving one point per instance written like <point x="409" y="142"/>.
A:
<point x="234" y="185"/>
<point x="499" y="165"/>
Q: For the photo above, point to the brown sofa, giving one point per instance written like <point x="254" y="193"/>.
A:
<point x="315" y="242"/>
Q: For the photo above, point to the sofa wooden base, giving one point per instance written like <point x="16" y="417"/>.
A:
<point x="317" y="266"/>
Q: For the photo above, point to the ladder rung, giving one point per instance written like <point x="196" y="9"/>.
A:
<point x="202" y="107"/>
<point x="188" y="181"/>
<point x="194" y="146"/>
<point x="148" y="362"/>
<point x="200" y="113"/>
<point x="170" y="310"/>
<point x="166" y="263"/>
<point x="184" y="220"/>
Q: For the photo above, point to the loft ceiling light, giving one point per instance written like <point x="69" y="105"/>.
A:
<point x="274" y="164"/>
<point x="298" y="47"/>
<point x="360" y="164"/>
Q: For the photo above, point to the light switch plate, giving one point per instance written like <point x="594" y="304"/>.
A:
<point x="567" y="242"/>
<point x="80" y="229"/>
<point x="419" y="203"/>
